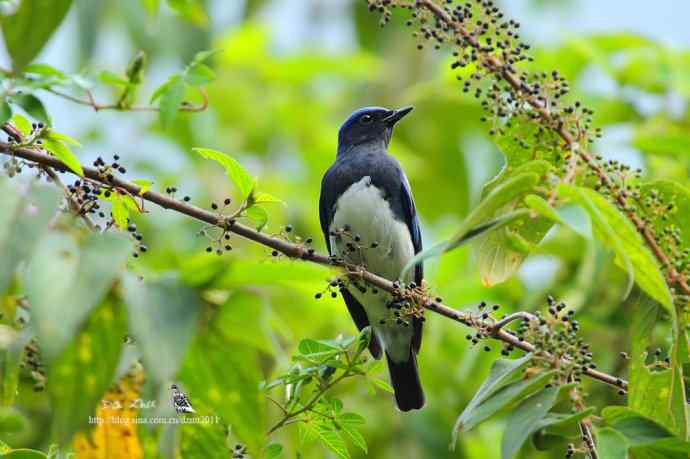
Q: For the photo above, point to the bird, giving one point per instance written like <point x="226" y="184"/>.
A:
<point x="368" y="218"/>
<point x="180" y="401"/>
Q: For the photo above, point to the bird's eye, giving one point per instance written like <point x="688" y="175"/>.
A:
<point x="366" y="119"/>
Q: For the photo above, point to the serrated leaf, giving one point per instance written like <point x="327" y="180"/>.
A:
<point x="333" y="441"/>
<point x="64" y="154"/>
<point x="28" y="30"/>
<point x="349" y="423"/>
<point x="381" y="384"/>
<point x="242" y="179"/>
<point x="310" y="346"/>
<point x="170" y="99"/>
<point x="33" y="106"/>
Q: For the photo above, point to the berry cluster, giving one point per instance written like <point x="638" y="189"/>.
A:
<point x="218" y="237"/>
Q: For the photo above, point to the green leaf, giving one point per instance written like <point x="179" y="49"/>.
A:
<point x="611" y="444"/>
<point x="541" y="205"/>
<point x="23" y="220"/>
<point x="310" y="346"/>
<point x="199" y="74"/>
<point x="242" y="179"/>
<point x="259" y="215"/>
<point x="258" y="197"/>
<point x="63" y="138"/>
<point x="615" y="231"/>
<point x="190" y="10"/>
<point x="503" y="398"/>
<point x="502" y="373"/>
<point x="44" y="70"/>
<point x="638" y="429"/>
<point x="112" y="79"/>
<point x="10" y="360"/>
<point x="28" y="30"/>
<point x="523" y="419"/>
<point x="12" y="421"/>
<point x="203" y="56"/>
<point x="144" y="184"/>
<point x="65" y="279"/>
<point x="333" y="441"/>
<point x="349" y="423"/>
<point x="21" y="123"/>
<point x="85" y="370"/>
<point x="273" y="450"/>
<point x="64" y="154"/>
<point x="152" y="6"/>
<point x="225" y="375"/>
<point x="162" y="316"/>
<point x="33" y="106"/>
<point x="460" y="240"/>
<point x="119" y="210"/>
<point x="170" y="99"/>
<point x="381" y="384"/>
<point x="658" y="395"/>
<point x="5" y="111"/>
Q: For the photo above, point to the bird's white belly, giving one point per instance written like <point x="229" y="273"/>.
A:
<point x="363" y="218"/>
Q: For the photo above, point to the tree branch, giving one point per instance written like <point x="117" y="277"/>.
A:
<point x="298" y="251"/>
<point x="494" y="65"/>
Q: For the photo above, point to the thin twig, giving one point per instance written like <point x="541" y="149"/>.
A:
<point x="119" y="106"/>
<point x="295" y="251"/>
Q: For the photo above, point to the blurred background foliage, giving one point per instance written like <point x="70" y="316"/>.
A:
<point x="288" y="73"/>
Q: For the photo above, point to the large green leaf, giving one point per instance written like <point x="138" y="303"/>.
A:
<point x="242" y="179"/>
<point x="616" y="232"/>
<point x="611" y="444"/>
<point x="658" y="395"/>
<point x="162" y="317"/>
<point x="64" y="154"/>
<point x="524" y="419"/>
<point x="86" y="368"/>
<point x="639" y="430"/>
<point x="225" y="375"/>
<point x="502" y="373"/>
<point x="23" y="220"/>
<point x="170" y="100"/>
<point x="66" y="278"/>
<point x="32" y="25"/>
<point x="504" y="398"/>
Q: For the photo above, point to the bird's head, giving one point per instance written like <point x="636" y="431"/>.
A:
<point x="369" y="124"/>
<point x="174" y="387"/>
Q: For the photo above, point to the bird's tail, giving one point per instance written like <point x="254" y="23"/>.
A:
<point x="406" y="384"/>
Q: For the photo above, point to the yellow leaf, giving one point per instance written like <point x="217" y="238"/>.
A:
<point x="115" y="433"/>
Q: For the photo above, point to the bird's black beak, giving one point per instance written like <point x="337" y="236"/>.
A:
<point x="397" y="115"/>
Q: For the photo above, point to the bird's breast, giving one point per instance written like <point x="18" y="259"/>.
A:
<point x="365" y="231"/>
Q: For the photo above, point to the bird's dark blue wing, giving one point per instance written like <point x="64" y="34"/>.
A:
<point x="412" y="221"/>
<point x="410" y="215"/>
<point x="333" y="186"/>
